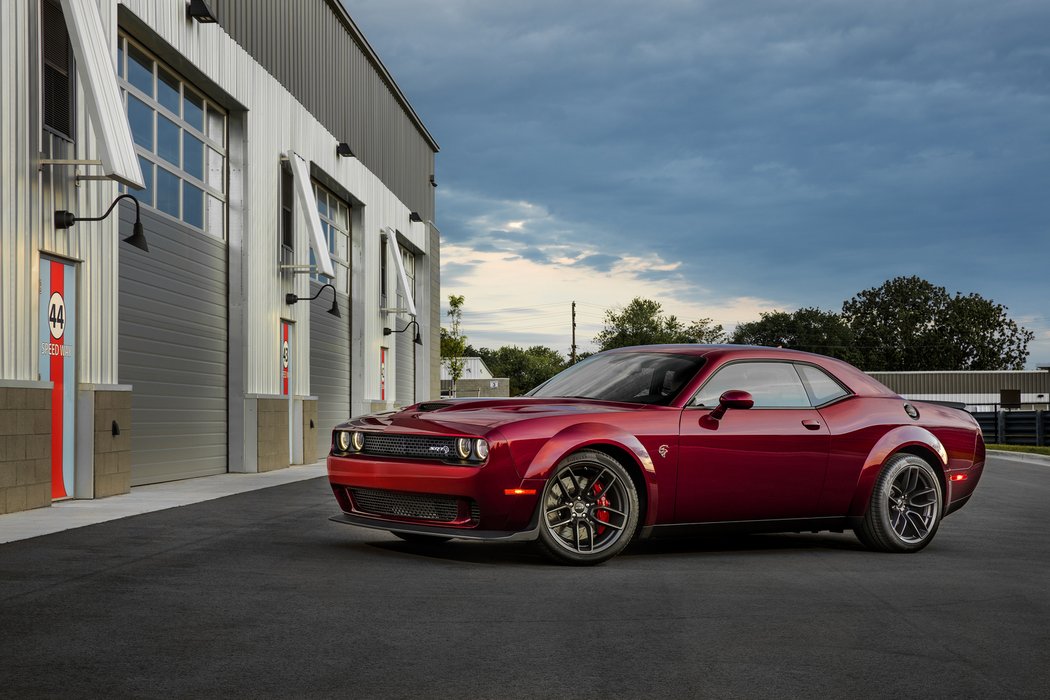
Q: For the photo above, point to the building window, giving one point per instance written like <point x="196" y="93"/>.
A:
<point x="180" y="137"/>
<point x="58" y="70"/>
<point x="287" y="208"/>
<point x="335" y="222"/>
<point x="382" y="273"/>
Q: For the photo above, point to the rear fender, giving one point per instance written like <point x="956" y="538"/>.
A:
<point x="582" y="435"/>
<point x="891" y="443"/>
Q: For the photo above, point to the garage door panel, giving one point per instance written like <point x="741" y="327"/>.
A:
<point x="329" y="367"/>
<point x="173" y="350"/>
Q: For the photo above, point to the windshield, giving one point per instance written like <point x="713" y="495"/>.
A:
<point x="632" y="377"/>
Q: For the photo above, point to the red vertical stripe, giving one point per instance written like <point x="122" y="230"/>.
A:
<point x="284" y="370"/>
<point x="58" y="487"/>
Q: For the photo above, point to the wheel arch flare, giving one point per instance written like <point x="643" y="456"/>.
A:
<point x="912" y="439"/>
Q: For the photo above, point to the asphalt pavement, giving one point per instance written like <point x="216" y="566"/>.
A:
<point x="259" y="595"/>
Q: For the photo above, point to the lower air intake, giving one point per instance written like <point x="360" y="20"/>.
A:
<point x="408" y="505"/>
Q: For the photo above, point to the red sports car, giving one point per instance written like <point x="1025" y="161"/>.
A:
<point x="644" y="441"/>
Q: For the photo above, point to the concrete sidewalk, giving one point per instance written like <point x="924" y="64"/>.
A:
<point x="66" y="515"/>
<point x="1020" y="457"/>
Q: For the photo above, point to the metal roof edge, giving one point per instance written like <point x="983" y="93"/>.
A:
<point x="357" y="35"/>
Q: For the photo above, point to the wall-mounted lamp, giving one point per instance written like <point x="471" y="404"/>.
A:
<point x="415" y="218"/>
<point x="65" y="219"/>
<point x="433" y="182"/>
<point x="343" y="149"/>
<point x="290" y="299"/>
<point x="199" y="10"/>
<point x="417" y="340"/>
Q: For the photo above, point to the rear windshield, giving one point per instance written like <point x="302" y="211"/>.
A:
<point x="632" y="377"/>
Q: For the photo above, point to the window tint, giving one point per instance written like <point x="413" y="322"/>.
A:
<point x="771" y="385"/>
<point x="633" y="377"/>
<point x="822" y="388"/>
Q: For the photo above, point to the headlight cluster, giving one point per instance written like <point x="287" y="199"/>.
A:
<point x="472" y="448"/>
<point x="348" y="441"/>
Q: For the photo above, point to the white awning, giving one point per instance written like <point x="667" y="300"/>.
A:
<point x="308" y="203"/>
<point x="402" y="278"/>
<point x="98" y="77"/>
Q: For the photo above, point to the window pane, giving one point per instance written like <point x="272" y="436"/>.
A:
<point x="216" y="125"/>
<point x="168" y="192"/>
<point x="140" y="117"/>
<point x="771" y="385"/>
<point x="140" y="70"/>
<point x="193" y="110"/>
<point x="168" y="90"/>
<point x="192" y="205"/>
<point x="216" y="219"/>
<point x="168" y="133"/>
<point x="823" y="388"/>
<point x="145" y="195"/>
<point x="120" y="58"/>
<point x="216" y="171"/>
<point x="192" y="155"/>
<point x="322" y="203"/>
<point x="341" y="245"/>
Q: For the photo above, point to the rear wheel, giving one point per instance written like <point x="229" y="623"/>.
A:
<point x="905" y="508"/>
<point x="589" y="509"/>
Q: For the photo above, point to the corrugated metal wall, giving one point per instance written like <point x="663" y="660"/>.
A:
<point x="935" y="383"/>
<point x="299" y="42"/>
<point x="30" y="195"/>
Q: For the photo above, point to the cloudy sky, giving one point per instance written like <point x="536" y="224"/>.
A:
<point x="727" y="158"/>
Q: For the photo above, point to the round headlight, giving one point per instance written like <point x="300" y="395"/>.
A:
<point x="357" y="441"/>
<point x="481" y="448"/>
<point x="342" y="440"/>
<point x="463" y="447"/>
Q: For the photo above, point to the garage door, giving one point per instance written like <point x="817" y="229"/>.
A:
<point x="173" y="335"/>
<point x="329" y="364"/>
<point x="405" y="361"/>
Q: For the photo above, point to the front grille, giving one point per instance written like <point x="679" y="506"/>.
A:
<point x="408" y="505"/>
<point x="410" y="446"/>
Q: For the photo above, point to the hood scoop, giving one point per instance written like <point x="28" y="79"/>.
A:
<point x="432" y="406"/>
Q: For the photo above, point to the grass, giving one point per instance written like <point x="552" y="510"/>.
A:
<point x="1021" y="448"/>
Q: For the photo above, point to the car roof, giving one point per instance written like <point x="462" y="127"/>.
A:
<point x="856" y="380"/>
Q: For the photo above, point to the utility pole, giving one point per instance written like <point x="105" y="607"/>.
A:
<point x="572" y="361"/>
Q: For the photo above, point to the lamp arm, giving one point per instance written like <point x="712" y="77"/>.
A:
<point x="318" y="293"/>
<point x="110" y="210"/>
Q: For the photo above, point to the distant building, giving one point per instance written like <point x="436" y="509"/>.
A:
<point x="476" y="380"/>
<point x="978" y="391"/>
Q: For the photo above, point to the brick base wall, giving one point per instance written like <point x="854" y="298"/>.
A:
<point x="112" y="452"/>
<point x="272" y="434"/>
<point x="25" y="449"/>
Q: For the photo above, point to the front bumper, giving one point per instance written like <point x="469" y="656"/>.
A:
<point x="479" y="494"/>
<point x="466" y="534"/>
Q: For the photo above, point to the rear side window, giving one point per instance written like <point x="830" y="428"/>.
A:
<point x="771" y="385"/>
<point x="821" y="387"/>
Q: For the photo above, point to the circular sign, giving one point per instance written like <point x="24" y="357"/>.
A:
<point x="284" y="354"/>
<point x="56" y="316"/>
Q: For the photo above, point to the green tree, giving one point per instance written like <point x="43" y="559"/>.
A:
<point x="453" y="342"/>
<point x="525" y="367"/>
<point x="642" y="322"/>
<point x="808" y="329"/>
<point x="908" y="323"/>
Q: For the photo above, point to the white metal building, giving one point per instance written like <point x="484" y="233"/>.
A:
<point x="273" y="159"/>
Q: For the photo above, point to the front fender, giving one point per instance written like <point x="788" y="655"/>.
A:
<point x="889" y="444"/>
<point x="581" y="435"/>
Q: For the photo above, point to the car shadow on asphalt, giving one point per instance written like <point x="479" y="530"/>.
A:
<point x="528" y="554"/>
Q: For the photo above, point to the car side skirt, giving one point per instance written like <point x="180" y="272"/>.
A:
<point x="529" y="535"/>
<point x="832" y="524"/>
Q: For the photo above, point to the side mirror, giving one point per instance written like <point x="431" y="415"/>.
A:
<point x="734" y="398"/>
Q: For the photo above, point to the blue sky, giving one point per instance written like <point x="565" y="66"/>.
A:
<point x="727" y="158"/>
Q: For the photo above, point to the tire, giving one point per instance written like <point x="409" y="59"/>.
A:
<point x="588" y="511"/>
<point x="905" y="508"/>
<point x="421" y="539"/>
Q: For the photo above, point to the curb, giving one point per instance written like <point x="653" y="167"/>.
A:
<point x="1020" y="457"/>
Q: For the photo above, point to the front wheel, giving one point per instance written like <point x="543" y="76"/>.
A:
<point x="905" y="508"/>
<point x="589" y="509"/>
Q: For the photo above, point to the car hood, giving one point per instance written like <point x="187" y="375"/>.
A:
<point x="475" y="416"/>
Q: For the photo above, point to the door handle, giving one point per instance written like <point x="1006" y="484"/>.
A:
<point x="811" y="424"/>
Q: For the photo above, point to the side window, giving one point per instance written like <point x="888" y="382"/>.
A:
<point x="287" y="208"/>
<point x="771" y="385"/>
<point x="821" y="387"/>
<point x="58" y="70"/>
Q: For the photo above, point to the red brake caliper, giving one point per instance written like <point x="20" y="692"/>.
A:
<point x="603" y="502"/>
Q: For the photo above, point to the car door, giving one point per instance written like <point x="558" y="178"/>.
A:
<point x="766" y="462"/>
